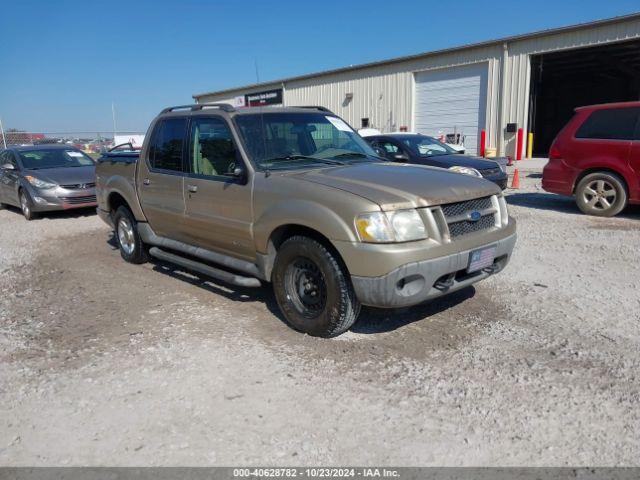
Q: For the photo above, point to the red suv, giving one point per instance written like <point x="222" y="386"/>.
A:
<point x="596" y="158"/>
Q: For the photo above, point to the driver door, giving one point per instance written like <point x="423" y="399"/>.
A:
<point x="218" y="213"/>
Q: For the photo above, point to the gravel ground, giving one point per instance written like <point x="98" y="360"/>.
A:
<point x="106" y="363"/>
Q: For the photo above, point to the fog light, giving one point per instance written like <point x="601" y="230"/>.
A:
<point x="39" y="200"/>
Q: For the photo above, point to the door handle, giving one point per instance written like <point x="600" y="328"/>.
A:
<point x="192" y="188"/>
<point x="146" y="181"/>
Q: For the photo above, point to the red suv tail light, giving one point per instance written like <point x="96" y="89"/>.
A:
<point x="554" y="152"/>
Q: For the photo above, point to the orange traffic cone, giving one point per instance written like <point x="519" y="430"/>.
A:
<point x="515" y="183"/>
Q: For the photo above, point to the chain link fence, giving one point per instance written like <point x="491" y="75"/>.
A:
<point x="89" y="142"/>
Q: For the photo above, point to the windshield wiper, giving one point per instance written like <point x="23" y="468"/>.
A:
<point x="351" y="155"/>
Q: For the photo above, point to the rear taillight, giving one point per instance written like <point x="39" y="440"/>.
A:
<point x="554" y="153"/>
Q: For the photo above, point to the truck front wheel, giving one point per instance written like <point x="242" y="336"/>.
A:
<point x="132" y="249"/>
<point x="313" y="288"/>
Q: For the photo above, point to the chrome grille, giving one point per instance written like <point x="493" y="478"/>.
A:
<point x="79" y="200"/>
<point x="78" y="186"/>
<point x="460" y="208"/>
<point x="457" y="216"/>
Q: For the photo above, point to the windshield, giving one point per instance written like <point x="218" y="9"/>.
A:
<point x="296" y="140"/>
<point x="427" y="146"/>
<point x="54" y="158"/>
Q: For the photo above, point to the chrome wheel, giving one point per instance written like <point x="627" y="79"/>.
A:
<point x="600" y="195"/>
<point x="126" y="237"/>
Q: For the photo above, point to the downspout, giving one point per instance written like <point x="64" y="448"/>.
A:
<point x="283" y="92"/>
<point x="502" y="99"/>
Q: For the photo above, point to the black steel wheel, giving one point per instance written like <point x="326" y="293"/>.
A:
<point x="313" y="288"/>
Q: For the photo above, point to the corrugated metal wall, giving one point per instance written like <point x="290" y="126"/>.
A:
<point x="385" y="93"/>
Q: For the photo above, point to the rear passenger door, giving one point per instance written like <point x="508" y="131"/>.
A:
<point x="161" y="177"/>
<point x="634" y="161"/>
<point x="218" y="211"/>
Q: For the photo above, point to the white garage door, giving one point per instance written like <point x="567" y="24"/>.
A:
<point x="452" y="100"/>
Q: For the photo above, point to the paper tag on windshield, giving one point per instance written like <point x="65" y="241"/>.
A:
<point x="339" y="124"/>
<point x="74" y="154"/>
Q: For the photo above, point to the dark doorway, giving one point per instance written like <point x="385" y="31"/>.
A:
<point x="562" y="81"/>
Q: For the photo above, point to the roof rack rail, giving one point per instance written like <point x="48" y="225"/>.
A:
<point x="199" y="106"/>
<point x="222" y="106"/>
<point x="315" y="107"/>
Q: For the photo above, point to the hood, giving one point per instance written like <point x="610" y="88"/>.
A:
<point x="65" y="175"/>
<point x="446" y="161"/>
<point x="394" y="185"/>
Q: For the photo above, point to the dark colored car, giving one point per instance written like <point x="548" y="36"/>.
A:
<point x="596" y="158"/>
<point x="423" y="150"/>
<point x="44" y="178"/>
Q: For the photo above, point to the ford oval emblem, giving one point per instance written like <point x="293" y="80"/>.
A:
<point x="475" y="216"/>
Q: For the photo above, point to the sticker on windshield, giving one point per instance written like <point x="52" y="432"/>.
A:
<point x="339" y="124"/>
<point x="75" y="154"/>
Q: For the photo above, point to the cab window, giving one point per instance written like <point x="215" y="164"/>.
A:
<point x="165" y="150"/>
<point x="212" y="151"/>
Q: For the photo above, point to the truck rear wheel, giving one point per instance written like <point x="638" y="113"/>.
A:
<point x="132" y="249"/>
<point x="313" y="288"/>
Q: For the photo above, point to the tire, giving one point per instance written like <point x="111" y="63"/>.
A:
<point x="602" y="194"/>
<point x="313" y="288"/>
<point x="132" y="248"/>
<point x="26" y="205"/>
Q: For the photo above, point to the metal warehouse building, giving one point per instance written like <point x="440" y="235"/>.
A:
<point x="531" y="81"/>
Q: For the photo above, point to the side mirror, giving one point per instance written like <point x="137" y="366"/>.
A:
<point x="240" y="174"/>
<point x="8" y="166"/>
<point x="401" y="157"/>
<point x="380" y="151"/>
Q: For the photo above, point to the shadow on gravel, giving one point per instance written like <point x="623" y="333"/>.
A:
<point x="73" y="213"/>
<point x="560" y="203"/>
<point x="232" y="292"/>
<point x="544" y="201"/>
<point x="378" y="320"/>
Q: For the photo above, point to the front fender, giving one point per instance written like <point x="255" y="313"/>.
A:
<point x="304" y="213"/>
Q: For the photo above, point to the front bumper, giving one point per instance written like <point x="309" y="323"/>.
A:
<point x="47" y="200"/>
<point x="417" y="282"/>
<point x="500" y="179"/>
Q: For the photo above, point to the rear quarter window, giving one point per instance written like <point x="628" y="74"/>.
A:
<point x="610" y="124"/>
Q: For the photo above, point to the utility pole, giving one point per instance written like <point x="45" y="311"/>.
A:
<point x="113" y="114"/>
<point x="4" y="139"/>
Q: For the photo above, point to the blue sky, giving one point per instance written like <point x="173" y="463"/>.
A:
<point x="63" y="63"/>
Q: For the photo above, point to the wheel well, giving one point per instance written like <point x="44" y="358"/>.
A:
<point x="598" y="170"/>
<point x="116" y="201"/>
<point x="284" y="232"/>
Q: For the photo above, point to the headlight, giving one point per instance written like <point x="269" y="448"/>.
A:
<point x="466" y="170"/>
<point x="385" y="227"/>
<point x="36" y="182"/>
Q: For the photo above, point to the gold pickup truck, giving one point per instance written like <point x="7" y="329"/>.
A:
<point x="295" y="197"/>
